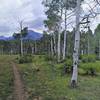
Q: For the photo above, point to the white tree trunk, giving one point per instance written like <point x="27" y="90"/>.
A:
<point x="59" y="37"/>
<point x="99" y="49"/>
<point x="52" y="53"/>
<point x="55" y="49"/>
<point x="88" y="47"/>
<point x="21" y="37"/>
<point x="59" y="46"/>
<point x="76" y="46"/>
<point x="65" y="36"/>
<point x="82" y="52"/>
<point x="32" y="50"/>
<point x="21" y="46"/>
<point x="35" y="47"/>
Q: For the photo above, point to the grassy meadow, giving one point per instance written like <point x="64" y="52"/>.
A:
<point x="6" y="77"/>
<point x="45" y="80"/>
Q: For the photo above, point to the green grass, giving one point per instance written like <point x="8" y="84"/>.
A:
<point x="6" y="77"/>
<point x="44" y="79"/>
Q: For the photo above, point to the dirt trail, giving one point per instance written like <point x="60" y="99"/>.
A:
<point x="19" y="93"/>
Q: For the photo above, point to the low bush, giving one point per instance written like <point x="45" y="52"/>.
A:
<point x="50" y="58"/>
<point x="88" y="58"/>
<point x="66" y="67"/>
<point x="90" y="68"/>
<point x="25" y="59"/>
<point x="68" y="62"/>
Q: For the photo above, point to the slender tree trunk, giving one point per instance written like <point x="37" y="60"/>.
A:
<point x="52" y="52"/>
<point x="88" y="47"/>
<point x="21" y="38"/>
<point x="59" y="47"/>
<point x="54" y="39"/>
<point x="59" y="38"/>
<point x="35" y="47"/>
<point x="99" y="49"/>
<point x="65" y="36"/>
<point x="76" y="47"/>
<point x="21" y="46"/>
<point x="32" y="50"/>
<point x="82" y="52"/>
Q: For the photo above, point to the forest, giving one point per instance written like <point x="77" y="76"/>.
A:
<point x="61" y="64"/>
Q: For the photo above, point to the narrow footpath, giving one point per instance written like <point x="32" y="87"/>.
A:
<point x="19" y="93"/>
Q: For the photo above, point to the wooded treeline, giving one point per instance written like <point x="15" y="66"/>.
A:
<point x="89" y="44"/>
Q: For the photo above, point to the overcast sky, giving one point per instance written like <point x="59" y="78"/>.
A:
<point x="31" y="11"/>
<point x="13" y="11"/>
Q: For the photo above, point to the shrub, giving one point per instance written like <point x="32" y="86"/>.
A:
<point x="49" y="58"/>
<point x="88" y="58"/>
<point x="67" y="67"/>
<point x="68" y="62"/>
<point x="90" y="68"/>
<point x="25" y="59"/>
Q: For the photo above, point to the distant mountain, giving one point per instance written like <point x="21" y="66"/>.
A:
<point x="32" y="35"/>
<point x="10" y="38"/>
<point x="2" y="38"/>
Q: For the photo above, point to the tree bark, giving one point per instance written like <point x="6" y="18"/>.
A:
<point x="59" y="38"/>
<point x="88" y="45"/>
<point x="21" y="37"/>
<point x="59" y="47"/>
<point x="76" y="46"/>
<point x="35" y="47"/>
<point x="21" y="46"/>
<point x="55" y="49"/>
<point x="65" y="37"/>
<point x="52" y="52"/>
<point x="99" y="49"/>
<point x="32" y="50"/>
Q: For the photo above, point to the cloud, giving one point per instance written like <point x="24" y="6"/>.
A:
<point x="4" y="29"/>
<point x="31" y="11"/>
<point x="13" y="11"/>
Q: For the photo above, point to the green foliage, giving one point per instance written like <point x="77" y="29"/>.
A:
<point x="50" y="58"/>
<point x="68" y="62"/>
<point x="91" y="68"/>
<point x="88" y="58"/>
<point x="66" y="67"/>
<point x="50" y="85"/>
<point x="16" y="35"/>
<point x="25" y="59"/>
